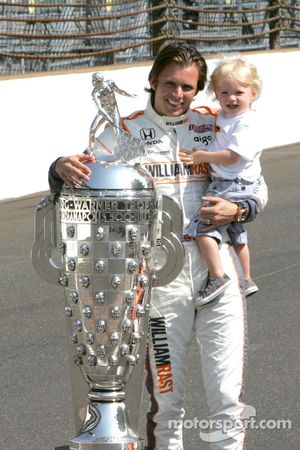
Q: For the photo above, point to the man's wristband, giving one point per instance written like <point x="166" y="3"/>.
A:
<point x="242" y="212"/>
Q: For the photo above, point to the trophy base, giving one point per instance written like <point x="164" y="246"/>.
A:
<point x="113" y="446"/>
<point x="106" y="426"/>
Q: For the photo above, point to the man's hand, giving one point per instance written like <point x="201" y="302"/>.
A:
<point x="218" y="212"/>
<point x="73" y="170"/>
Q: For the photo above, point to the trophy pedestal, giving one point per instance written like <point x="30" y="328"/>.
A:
<point x="110" y="446"/>
<point x="106" y="426"/>
<point x="115" y="446"/>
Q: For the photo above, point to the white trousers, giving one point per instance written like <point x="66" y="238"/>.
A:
<point x="220" y="329"/>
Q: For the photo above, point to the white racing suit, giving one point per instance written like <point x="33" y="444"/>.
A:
<point x="219" y="326"/>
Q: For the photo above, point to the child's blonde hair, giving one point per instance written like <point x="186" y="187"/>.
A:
<point x="239" y="69"/>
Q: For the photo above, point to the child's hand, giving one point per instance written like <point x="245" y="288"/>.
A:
<point x="186" y="157"/>
<point x="199" y="156"/>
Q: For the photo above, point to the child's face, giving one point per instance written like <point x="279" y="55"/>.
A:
<point x="234" y="97"/>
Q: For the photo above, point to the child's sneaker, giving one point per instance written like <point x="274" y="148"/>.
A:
<point x="250" y="287"/>
<point x="214" y="287"/>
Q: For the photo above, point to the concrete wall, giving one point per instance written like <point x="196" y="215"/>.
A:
<point x="48" y="115"/>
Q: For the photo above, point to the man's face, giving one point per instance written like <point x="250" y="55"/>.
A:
<point x="174" y="89"/>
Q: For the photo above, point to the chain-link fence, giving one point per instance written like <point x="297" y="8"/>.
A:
<point x="46" y="35"/>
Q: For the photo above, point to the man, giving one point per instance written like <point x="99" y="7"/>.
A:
<point x="166" y="125"/>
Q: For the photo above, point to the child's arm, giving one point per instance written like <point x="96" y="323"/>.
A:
<point x="224" y="157"/>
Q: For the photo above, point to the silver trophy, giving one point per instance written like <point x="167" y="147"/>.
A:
<point x="98" y="242"/>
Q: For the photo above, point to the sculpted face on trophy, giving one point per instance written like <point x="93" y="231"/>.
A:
<point x="106" y="234"/>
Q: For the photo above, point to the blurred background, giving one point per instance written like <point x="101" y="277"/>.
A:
<point x="49" y="50"/>
<point x="47" y="35"/>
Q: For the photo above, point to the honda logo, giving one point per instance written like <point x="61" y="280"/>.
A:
<point x="147" y="133"/>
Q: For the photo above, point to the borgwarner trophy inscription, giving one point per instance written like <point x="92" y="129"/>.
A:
<point x="94" y="210"/>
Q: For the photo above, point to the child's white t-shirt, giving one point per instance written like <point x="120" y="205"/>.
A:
<point x="240" y="134"/>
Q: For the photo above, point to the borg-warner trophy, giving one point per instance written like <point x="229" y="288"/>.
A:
<point x="106" y="234"/>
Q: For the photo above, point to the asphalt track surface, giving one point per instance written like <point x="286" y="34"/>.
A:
<point x="36" y="411"/>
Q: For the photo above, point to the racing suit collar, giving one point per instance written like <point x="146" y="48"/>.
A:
<point x="166" y="121"/>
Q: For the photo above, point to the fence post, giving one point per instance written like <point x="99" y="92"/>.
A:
<point x="275" y="24"/>
<point x="157" y="30"/>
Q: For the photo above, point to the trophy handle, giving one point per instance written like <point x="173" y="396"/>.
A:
<point x="172" y="224"/>
<point x="45" y="241"/>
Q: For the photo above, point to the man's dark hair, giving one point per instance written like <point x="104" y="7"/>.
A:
<point x="182" y="54"/>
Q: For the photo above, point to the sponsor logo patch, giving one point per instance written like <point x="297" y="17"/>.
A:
<point x="168" y="170"/>
<point x="176" y="122"/>
<point x="161" y="354"/>
<point x="147" y="134"/>
<point x="201" y="128"/>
